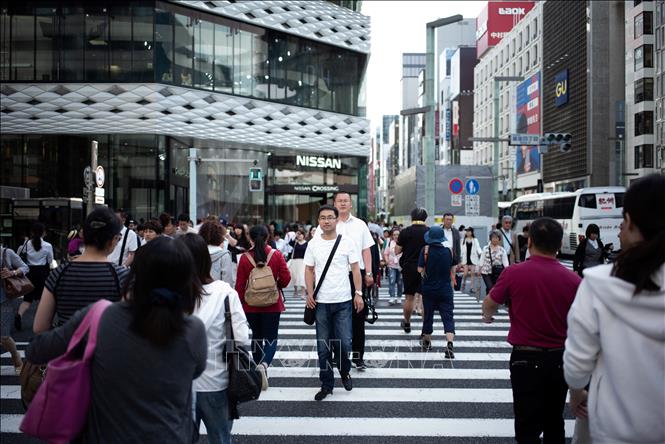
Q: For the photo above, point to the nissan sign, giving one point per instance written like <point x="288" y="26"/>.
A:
<point x="319" y="162"/>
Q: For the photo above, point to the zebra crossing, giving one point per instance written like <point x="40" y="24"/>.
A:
<point x="405" y="395"/>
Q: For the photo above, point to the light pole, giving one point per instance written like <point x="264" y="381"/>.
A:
<point x="430" y="104"/>
<point x="495" y="157"/>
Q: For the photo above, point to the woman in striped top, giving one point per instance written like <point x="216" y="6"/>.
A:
<point x="88" y="278"/>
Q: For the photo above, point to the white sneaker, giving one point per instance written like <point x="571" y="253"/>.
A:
<point x="391" y="302"/>
<point x="263" y="369"/>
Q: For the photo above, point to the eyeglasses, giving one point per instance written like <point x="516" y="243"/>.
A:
<point x="323" y="218"/>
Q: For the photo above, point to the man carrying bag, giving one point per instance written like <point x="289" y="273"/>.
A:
<point x="334" y="303"/>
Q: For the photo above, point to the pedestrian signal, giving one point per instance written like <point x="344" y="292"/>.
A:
<point x="255" y="179"/>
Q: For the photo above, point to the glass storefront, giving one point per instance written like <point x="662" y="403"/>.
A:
<point x="144" y="41"/>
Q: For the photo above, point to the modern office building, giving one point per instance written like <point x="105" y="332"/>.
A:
<point x="411" y="114"/>
<point x="277" y="84"/>
<point x="659" y="98"/>
<point x="509" y="48"/>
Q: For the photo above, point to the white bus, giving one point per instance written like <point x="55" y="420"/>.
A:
<point x="575" y="211"/>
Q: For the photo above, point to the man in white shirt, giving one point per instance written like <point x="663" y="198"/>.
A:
<point x="452" y="237"/>
<point x="359" y="233"/>
<point x="183" y="226"/>
<point x="509" y="240"/>
<point x="123" y="253"/>
<point x="333" y="302"/>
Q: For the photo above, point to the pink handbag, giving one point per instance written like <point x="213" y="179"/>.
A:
<point x="59" y="410"/>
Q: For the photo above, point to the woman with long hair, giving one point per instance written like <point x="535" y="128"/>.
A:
<point x="264" y="321"/>
<point x="297" y="264"/>
<point x="212" y="405"/>
<point x="222" y="266"/>
<point x="616" y="334"/>
<point x="149" y="350"/>
<point x="88" y="278"/>
<point x="471" y="254"/>
<point x="39" y="255"/>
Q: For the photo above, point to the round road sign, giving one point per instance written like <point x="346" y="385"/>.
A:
<point x="456" y="186"/>
<point x="472" y="187"/>
<point x="99" y="176"/>
<point x="87" y="176"/>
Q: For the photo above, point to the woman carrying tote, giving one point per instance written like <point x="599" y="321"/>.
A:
<point x="11" y="265"/>
<point x="211" y="398"/>
<point x="148" y="352"/>
<point x="494" y="260"/>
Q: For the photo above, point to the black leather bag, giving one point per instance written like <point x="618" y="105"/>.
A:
<point x="244" y="377"/>
<point x="309" y="316"/>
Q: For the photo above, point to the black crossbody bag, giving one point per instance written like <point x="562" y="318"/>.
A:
<point x="310" y="313"/>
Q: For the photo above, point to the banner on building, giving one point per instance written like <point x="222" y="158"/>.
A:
<point x="527" y="121"/>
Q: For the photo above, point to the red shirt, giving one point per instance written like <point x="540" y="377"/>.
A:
<point x="279" y="270"/>
<point x="541" y="291"/>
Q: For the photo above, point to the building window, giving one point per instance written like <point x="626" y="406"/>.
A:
<point x="644" y="89"/>
<point x="643" y="24"/>
<point x="644" y="123"/>
<point x="643" y="57"/>
<point x="644" y="156"/>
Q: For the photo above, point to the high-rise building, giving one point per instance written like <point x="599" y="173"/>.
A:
<point x="275" y="84"/>
<point x="411" y="114"/>
<point x="659" y="98"/>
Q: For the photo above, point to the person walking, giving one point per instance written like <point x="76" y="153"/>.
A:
<point x="509" y="240"/>
<point x="212" y="406"/>
<point x="148" y="351"/>
<point x="410" y="242"/>
<point x="539" y="293"/>
<point x="75" y="243"/>
<point x="39" y="255"/>
<point x="590" y="251"/>
<point x="452" y="236"/>
<point x="434" y="264"/>
<point x="616" y="334"/>
<point x="184" y="226"/>
<point x="220" y="257"/>
<point x="470" y="258"/>
<point x="123" y="252"/>
<point x="68" y="287"/>
<point x="264" y="321"/>
<point x="152" y="229"/>
<point x="493" y="261"/>
<point x="11" y="265"/>
<point x="333" y="302"/>
<point x="395" y="283"/>
<point x="297" y="265"/>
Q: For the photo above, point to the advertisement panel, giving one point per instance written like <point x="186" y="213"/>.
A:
<point x="527" y="121"/>
<point x="496" y="20"/>
<point x="561" y="88"/>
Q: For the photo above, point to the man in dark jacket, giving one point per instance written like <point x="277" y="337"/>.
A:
<point x="452" y="236"/>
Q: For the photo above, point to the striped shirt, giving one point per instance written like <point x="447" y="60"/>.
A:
<point x="76" y="285"/>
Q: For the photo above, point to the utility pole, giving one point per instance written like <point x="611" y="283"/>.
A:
<point x="430" y="104"/>
<point x="93" y="166"/>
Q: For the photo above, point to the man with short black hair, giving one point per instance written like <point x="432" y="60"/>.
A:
<point x="168" y="226"/>
<point x="334" y="304"/>
<point x="452" y="236"/>
<point x="539" y="293"/>
<point x="123" y="253"/>
<point x="183" y="225"/>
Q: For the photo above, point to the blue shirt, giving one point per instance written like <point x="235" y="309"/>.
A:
<point x="439" y="261"/>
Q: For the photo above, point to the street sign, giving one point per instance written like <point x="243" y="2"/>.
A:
<point x="472" y="186"/>
<point x="456" y="200"/>
<point x="87" y="176"/>
<point x="255" y="179"/>
<point x="99" y="200"/>
<point x="523" y="139"/>
<point x="456" y="186"/>
<point x="99" y="176"/>
<point x="86" y="194"/>
<point x="472" y="205"/>
<point x="99" y="192"/>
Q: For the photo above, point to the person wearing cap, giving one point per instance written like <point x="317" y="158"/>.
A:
<point x="434" y="264"/>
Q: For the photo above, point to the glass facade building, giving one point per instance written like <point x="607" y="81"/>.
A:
<point x="148" y="80"/>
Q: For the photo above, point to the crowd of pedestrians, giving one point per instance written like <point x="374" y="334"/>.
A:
<point x="596" y="333"/>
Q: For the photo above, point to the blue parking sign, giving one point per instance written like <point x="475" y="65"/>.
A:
<point x="472" y="187"/>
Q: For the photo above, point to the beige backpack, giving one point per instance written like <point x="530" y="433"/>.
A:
<point x="261" y="289"/>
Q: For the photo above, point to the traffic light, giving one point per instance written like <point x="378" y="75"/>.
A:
<point x="255" y="179"/>
<point x="564" y="140"/>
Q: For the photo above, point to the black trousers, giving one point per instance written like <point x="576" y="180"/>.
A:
<point x="358" y="319"/>
<point x="539" y="396"/>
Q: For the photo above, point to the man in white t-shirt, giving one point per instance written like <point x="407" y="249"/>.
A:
<point x="126" y="246"/>
<point x="334" y="304"/>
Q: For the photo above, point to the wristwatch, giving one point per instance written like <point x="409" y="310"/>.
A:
<point x="369" y="273"/>
<point x="359" y="293"/>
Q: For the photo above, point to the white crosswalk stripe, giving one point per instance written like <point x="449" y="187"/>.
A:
<point x="404" y="393"/>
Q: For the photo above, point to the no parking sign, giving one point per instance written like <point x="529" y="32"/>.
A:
<point x="456" y="186"/>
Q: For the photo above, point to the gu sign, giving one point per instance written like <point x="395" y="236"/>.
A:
<point x="561" y="88"/>
<point x="318" y="162"/>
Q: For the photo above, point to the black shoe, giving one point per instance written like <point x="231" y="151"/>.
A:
<point x="346" y="381"/>
<point x="406" y="326"/>
<point x="322" y="394"/>
<point x="17" y="322"/>
<point x="360" y="365"/>
<point x="449" y="351"/>
<point x="425" y="344"/>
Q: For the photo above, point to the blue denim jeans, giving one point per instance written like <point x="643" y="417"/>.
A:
<point x="395" y="283"/>
<point x="213" y="409"/>
<point x="264" y="335"/>
<point x="440" y="300"/>
<point x="333" y="330"/>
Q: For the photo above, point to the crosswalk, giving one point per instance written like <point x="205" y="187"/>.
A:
<point x="405" y="395"/>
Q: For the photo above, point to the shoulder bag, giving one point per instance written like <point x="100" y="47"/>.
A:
<point x="244" y="377"/>
<point x="59" y="410"/>
<point x="496" y="269"/>
<point x="310" y="313"/>
<point x="15" y="286"/>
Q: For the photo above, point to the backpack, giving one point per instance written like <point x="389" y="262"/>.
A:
<point x="261" y="289"/>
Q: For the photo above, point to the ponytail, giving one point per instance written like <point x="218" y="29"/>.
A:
<point x="38" y="230"/>
<point x="638" y="263"/>
<point x="259" y="235"/>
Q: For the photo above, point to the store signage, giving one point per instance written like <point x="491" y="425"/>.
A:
<point x="497" y="20"/>
<point x="512" y="11"/>
<point x="317" y="188"/>
<point x="319" y="162"/>
<point x="605" y="202"/>
<point x="561" y="88"/>
<point x="527" y="124"/>
<point x="311" y="189"/>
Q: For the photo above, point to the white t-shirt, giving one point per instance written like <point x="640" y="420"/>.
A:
<point x="336" y="286"/>
<point x="130" y="246"/>
<point x="359" y="233"/>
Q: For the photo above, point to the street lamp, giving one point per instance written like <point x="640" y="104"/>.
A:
<point x="430" y="104"/>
